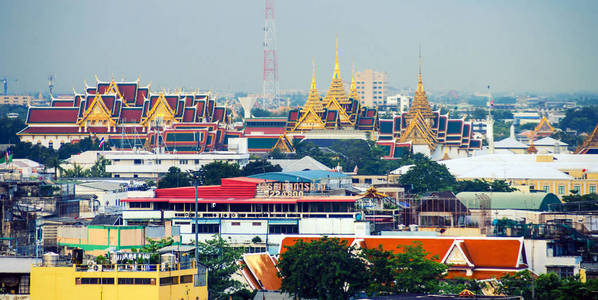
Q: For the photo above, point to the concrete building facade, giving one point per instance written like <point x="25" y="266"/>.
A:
<point x="371" y="87"/>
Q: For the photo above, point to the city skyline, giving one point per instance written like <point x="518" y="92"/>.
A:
<point x="533" y="46"/>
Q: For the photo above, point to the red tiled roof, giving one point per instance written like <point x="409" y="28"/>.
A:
<point x="46" y="130"/>
<point x="130" y="115"/>
<point x="52" y="115"/>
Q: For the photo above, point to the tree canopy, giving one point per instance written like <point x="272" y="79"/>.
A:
<point x="221" y="261"/>
<point x="582" y="119"/>
<point x="322" y="269"/>
<point x="210" y="174"/>
<point x="407" y="270"/>
<point x="174" y="178"/>
<point x="427" y="175"/>
<point x="259" y="166"/>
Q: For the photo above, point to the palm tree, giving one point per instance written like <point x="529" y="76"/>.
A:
<point x="53" y="162"/>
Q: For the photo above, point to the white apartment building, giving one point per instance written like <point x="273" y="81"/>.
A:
<point x="399" y="100"/>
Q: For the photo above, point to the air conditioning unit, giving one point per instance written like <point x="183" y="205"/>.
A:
<point x="413" y="227"/>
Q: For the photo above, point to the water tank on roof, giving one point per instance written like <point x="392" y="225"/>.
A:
<point x="50" y="259"/>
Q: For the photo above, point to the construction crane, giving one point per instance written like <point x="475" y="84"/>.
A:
<point x="5" y="81"/>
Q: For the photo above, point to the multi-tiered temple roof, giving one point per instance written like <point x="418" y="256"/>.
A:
<point x="129" y="115"/>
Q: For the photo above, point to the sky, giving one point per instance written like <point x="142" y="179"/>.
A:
<point x="514" y="46"/>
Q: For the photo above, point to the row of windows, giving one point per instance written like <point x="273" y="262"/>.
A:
<point x="561" y="188"/>
<point x="108" y="280"/>
<point x="274" y="229"/>
<point x="172" y="280"/>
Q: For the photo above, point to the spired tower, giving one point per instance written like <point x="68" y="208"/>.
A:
<point x="419" y="119"/>
<point x="337" y="98"/>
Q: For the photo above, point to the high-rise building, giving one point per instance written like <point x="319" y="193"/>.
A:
<point x="370" y="87"/>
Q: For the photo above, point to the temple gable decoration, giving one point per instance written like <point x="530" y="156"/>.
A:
<point x="97" y="114"/>
<point x="160" y="110"/>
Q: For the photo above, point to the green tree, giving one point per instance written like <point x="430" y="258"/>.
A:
<point x="174" y="178"/>
<point x="210" y="174"/>
<point x="481" y="185"/>
<point x="99" y="168"/>
<point x="577" y="197"/>
<point x="407" y="270"/>
<point x="221" y="261"/>
<point x="76" y="172"/>
<point x="428" y="176"/>
<point x="52" y="162"/>
<point x="518" y="284"/>
<point x="9" y="129"/>
<point x="322" y="269"/>
<point x="259" y="166"/>
<point x="580" y="119"/>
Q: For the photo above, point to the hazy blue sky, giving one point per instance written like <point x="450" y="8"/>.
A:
<point x="544" y="46"/>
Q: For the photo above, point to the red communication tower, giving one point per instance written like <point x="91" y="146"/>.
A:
<point x="270" y="91"/>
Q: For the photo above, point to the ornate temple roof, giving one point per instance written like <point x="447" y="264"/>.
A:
<point x="314" y="100"/>
<point x="420" y="100"/>
<point x="590" y="145"/>
<point x="337" y="89"/>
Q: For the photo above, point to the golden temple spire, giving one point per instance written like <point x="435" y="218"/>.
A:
<point x="353" y="89"/>
<point x="337" y="89"/>
<point x="420" y="84"/>
<point x="337" y="72"/>
<point x="420" y="100"/>
<point x="313" y="99"/>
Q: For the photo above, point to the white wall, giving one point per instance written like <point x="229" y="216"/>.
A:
<point x="327" y="226"/>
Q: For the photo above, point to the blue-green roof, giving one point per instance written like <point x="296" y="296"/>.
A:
<point x="300" y="176"/>
<point x="509" y="200"/>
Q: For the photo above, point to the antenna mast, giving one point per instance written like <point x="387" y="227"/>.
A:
<point x="270" y="91"/>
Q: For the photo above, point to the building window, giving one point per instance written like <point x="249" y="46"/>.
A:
<point x="158" y="162"/>
<point x="593" y="189"/>
<point x="196" y="161"/>
<point x="169" y="280"/>
<point x="186" y="279"/>
<point x="138" y="161"/>
<point x="256" y="223"/>
<point x="546" y="188"/>
<point x="139" y="281"/>
<point x="139" y="204"/>
<point x="561" y="271"/>
<point x="206" y="228"/>
<point x="561" y="189"/>
<point x="283" y="229"/>
<point x="183" y="161"/>
<point x="235" y="224"/>
<point x="576" y="188"/>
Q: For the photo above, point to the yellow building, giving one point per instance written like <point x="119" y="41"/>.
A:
<point x="560" y="174"/>
<point x="116" y="282"/>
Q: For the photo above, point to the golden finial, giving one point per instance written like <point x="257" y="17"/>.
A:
<point x="420" y="85"/>
<point x="336" y="67"/>
<point x="313" y="74"/>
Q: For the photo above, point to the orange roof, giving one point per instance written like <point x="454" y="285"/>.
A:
<point x="263" y="268"/>
<point x="249" y="277"/>
<point x="493" y="252"/>
<point x="436" y="247"/>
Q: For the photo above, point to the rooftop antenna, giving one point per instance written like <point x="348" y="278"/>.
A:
<point x="51" y="84"/>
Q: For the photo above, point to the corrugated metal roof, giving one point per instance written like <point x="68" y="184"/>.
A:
<point x="300" y="176"/>
<point x="509" y="200"/>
